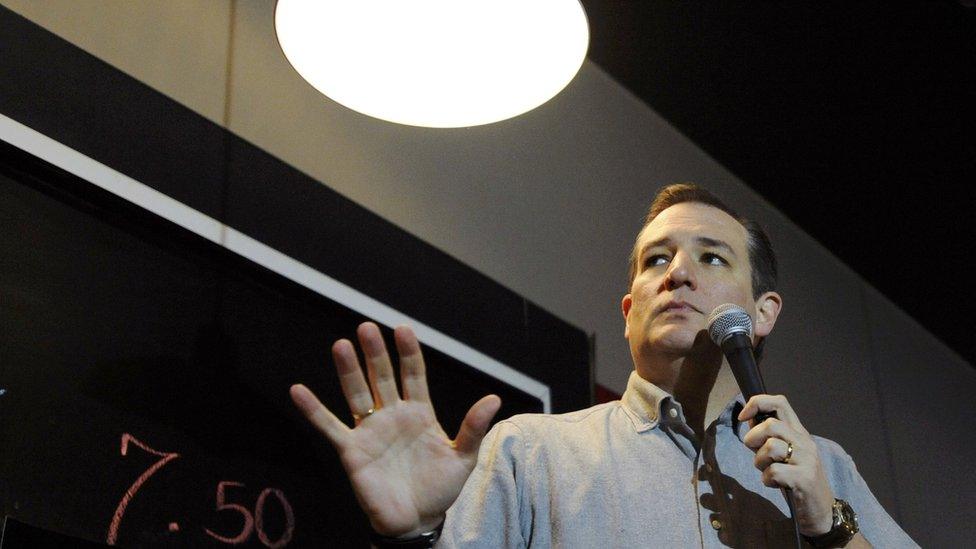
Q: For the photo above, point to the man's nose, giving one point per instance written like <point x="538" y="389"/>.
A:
<point x="681" y="272"/>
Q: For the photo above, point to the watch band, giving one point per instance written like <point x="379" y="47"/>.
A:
<point x="843" y="529"/>
<point x="425" y="540"/>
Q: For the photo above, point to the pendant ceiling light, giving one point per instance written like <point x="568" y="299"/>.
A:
<point x="435" y="63"/>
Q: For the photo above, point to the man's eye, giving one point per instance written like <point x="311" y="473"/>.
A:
<point x="713" y="259"/>
<point x="655" y="261"/>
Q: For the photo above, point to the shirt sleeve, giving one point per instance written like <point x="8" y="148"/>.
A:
<point x="874" y="522"/>
<point x="489" y="512"/>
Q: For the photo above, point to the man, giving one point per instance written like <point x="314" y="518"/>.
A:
<point x="675" y="463"/>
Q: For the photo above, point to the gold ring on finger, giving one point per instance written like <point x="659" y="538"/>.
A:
<point x="367" y="413"/>
<point x="789" y="452"/>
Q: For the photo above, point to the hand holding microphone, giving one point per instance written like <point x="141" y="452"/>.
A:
<point x="785" y="452"/>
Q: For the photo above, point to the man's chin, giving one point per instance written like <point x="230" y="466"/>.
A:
<point x="675" y="342"/>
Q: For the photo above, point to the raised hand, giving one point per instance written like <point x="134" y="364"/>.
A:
<point x="403" y="467"/>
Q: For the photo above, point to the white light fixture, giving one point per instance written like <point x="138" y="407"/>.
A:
<point x="435" y="63"/>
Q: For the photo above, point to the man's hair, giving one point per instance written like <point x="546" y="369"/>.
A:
<point x="762" y="260"/>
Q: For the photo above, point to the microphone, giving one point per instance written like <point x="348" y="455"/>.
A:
<point x="730" y="327"/>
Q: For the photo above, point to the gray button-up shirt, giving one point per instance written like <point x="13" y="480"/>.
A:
<point x="629" y="474"/>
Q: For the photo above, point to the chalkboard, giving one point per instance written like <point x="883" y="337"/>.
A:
<point x="145" y="375"/>
<point x="146" y="346"/>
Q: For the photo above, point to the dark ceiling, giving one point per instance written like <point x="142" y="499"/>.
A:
<point x="857" y="120"/>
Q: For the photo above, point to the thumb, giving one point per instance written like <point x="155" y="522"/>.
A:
<point x="476" y="423"/>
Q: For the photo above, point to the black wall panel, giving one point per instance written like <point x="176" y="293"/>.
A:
<point x="144" y="368"/>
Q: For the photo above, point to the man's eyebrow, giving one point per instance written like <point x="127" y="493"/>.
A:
<point x="661" y="242"/>
<point x="714" y="243"/>
<point x="700" y="240"/>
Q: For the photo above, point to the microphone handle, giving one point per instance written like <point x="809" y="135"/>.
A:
<point x="738" y="350"/>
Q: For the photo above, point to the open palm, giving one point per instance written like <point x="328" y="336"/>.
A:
<point x="403" y="467"/>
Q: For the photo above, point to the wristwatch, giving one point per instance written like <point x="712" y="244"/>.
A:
<point x="841" y="531"/>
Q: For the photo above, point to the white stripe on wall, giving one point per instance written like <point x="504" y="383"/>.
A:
<point x="177" y="212"/>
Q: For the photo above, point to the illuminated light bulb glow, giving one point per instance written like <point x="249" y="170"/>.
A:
<point x="435" y="63"/>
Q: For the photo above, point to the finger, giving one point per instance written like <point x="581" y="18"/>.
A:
<point x="351" y="378"/>
<point x="778" y="475"/>
<point x="757" y="436"/>
<point x="475" y="424"/>
<point x="772" y="427"/>
<point x="776" y="404"/>
<point x="774" y="450"/>
<point x="413" y="372"/>
<point x="325" y="421"/>
<point x="378" y="365"/>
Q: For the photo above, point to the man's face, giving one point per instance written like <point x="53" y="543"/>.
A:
<point x="691" y="258"/>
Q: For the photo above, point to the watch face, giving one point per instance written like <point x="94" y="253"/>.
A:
<point x="843" y="529"/>
<point x="848" y="518"/>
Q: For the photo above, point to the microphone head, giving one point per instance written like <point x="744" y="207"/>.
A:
<point x="726" y="320"/>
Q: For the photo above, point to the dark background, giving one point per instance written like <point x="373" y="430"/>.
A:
<point x="855" y="119"/>
<point x="114" y="321"/>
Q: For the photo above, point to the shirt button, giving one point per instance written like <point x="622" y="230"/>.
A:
<point x="716" y="524"/>
<point x="673" y="413"/>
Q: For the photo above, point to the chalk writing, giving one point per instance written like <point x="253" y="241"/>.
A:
<point x="252" y="522"/>
<point x="289" y="519"/>
<point x="113" y="528"/>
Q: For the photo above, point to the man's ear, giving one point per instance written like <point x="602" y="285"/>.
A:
<point x="768" y="307"/>
<point x="625" y="304"/>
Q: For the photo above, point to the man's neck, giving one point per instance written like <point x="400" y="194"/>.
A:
<point x="703" y="386"/>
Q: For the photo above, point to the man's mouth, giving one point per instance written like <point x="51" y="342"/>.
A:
<point x="677" y="306"/>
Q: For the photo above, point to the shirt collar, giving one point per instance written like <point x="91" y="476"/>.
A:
<point x="730" y="417"/>
<point x="645" y="402"/>
<point x="642" y="401"/>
